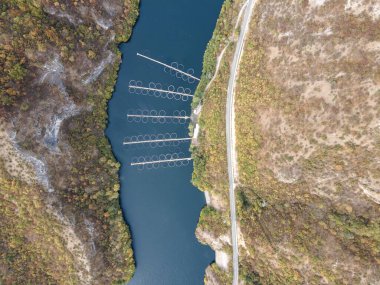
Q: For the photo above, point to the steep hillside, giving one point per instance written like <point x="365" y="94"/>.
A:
<point x="308" y="144"/>
<point x="62" y="223"/>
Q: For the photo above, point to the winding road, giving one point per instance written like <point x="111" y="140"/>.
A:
<point x="230" y="133"/>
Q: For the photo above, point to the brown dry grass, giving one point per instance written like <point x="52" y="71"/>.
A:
<point x="308" y="138"/>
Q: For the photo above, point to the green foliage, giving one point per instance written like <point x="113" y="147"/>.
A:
<point x="248" y="203"/>
<point x="362" y="234"/>
<point x="210" y="161"/>
<point x="17" y="72"/>
<point x="219" y="39"/>
<point x="199" y="170"/>
<point x="213" y="221"/>
<point x="220" y="275"/>
<point x="248" y="276"/>
<point x="95" y="167"/>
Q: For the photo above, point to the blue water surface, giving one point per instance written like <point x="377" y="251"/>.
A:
<point x="161" y="206"/>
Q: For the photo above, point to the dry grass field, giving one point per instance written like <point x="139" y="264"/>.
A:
<point x="308" y="136"/>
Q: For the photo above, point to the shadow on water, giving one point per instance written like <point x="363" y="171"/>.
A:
<point x="160" y="205"/>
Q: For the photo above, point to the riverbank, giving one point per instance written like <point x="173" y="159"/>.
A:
<point x="213" y="227"/>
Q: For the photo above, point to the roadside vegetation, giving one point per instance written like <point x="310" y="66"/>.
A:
<point x="210" y="159"/>
<point x="210" y="156"/>
<point x="222" y="35"/>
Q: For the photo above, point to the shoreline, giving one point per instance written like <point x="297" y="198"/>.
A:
<point x="222" y="257"/>
<point x="116" y="65"/>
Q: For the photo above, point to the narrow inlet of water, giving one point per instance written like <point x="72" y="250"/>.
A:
<point x="161" y="206"/>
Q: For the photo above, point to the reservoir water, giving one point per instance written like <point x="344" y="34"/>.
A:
<point x="161" y="206"/>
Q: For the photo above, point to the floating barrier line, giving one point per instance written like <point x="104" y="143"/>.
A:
<point x="153" y="116"/>
<point x="159" y="140"/>
<point x="168" y="66"/>
<point x="160" y="161"/>
<point x="161" y="90"/>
